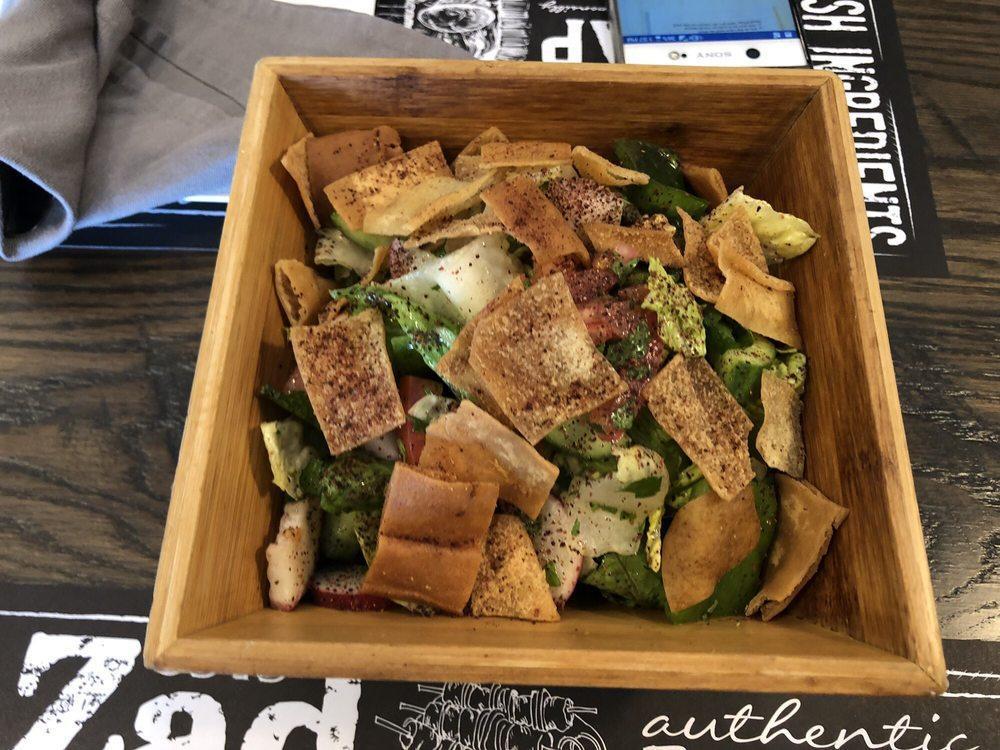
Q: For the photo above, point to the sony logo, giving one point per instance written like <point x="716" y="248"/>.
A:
<point x="715" y="54"/>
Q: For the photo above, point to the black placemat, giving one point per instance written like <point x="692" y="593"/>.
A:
<point x="71" y="676"/>
<point x="857" y="40"/>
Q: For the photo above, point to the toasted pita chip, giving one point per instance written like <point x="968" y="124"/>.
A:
<point x="454" y="366"/>
<point x="432" y="199"/>
<point x="358" y="193"/>
<point x="492" y="134"/>
<point x="330" y="157"/>
<point x="537" y="359"/>
<point x="485" y="222"/>
<point x="471" y="445"/>
<point x="333" y="309"/>
<point x="706" y="182"/>
<point x="779" y="440"/>
<point x="348" y="377"/>
<point x="758" y="301"/>
<point x="643" y="243"/>
<point x="599" y="169"/>
<point x="701" y="274"/>
<point x="294" y="162"/>
<point x="707" y="538"/>
<point x="542" y="175"/>
<point x="379" y="258"/>
<point x="737" y="238"/>
<point x="693" y="405"/>
<point x="533" y="219"/>
<point x="806" y="522"/>
<point x="525" y="154"/>
<point x="301" y="291"/>
<point x="511" y="582"/>
<point x="581" y="200"/>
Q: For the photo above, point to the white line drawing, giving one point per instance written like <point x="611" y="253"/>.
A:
<point x="71" y="616"/>
<point x="489" y="29"/>
<point x="981" y="675"/>
<point x="492" y="717"/>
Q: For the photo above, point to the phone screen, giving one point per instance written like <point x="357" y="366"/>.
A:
<point x="709" y="32"/>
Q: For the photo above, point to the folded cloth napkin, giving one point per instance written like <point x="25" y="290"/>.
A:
<point x="110" y="107"/>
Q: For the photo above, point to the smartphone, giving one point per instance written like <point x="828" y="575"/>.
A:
<point x="747" y="33"/>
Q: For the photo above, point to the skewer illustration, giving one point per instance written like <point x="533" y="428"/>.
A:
<point x="415" y="735"/>
<point x="538" y="709"/>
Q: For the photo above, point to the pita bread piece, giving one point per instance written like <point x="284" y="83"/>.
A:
<point x="431" y="538"/>
<point x="467" y="163"/>
<point x="736" y="238"/>
<point x="435" y="197"/>
<point x="525" y="154"/>
<point x="454" y="366"/>
<point x="533" y="219"/>
<point x="706" y="182"/>
<point x="693" y="405"/>
<point x="474" y="226"/>
<point x="492" y="134"/>
<point x="511" y="582"/>
<point x="421" y="505"/>
<point x="301" y="291"/>
<point x="701" y="274"/>
<point x="806" y="522"/>
<point x="640" y="242"/>
<point x="758" y="301"/>
<point x="347" y="375"/>
<point x="707" y="538"/>
<point x="358" y="193"/>
<point x="414" y="571"/>
<point x="600" y="170"/>
<point x="294" y="162"/>
<point x="537" y="359"/>
<point x="779" y="440"/>
<point x="330" y="157"/>
<point x="581" y="200"/>
<point x="472" y="446"/>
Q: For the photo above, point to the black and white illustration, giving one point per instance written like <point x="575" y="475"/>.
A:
<point x="493" y="717"/>
<point x="488" y="29"/>
<point x="71" y="678"/>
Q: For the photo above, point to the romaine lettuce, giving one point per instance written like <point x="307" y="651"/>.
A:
<point x="287" y="454"/>
<point x="781" y="235"/>
<point x="355" y="480"/>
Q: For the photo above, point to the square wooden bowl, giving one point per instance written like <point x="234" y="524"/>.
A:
<point x="865" y="624"/>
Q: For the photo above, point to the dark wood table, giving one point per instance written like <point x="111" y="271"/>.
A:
<point x="97" y="352"/>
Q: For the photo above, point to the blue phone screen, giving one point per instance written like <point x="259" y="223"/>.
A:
<point x="645" y="21"/>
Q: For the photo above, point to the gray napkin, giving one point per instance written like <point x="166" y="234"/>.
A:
<point x="110" y="107"/>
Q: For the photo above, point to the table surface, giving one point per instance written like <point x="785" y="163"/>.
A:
<point x="97" y="353"/>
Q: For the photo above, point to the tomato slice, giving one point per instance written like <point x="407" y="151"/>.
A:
<point x="411" y="390"/>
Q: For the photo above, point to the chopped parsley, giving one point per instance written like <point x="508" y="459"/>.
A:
<point x="576" y="528"/>
<point x="551" y="576"/>
<point x="646" y="487"/>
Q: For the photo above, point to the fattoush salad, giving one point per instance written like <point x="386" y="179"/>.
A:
<point x="537" y="373"/>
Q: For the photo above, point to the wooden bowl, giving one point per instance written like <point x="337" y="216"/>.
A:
<point x="865" y="624"/>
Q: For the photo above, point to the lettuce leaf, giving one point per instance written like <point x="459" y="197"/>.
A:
<point x="333" y="248"/>
<point x="287" y="453"/>
<point x="781" y="235"/>
<point x="432" y="335"/>
<point x="295" y="403"/>
<point x="627" y="579"/>
<point x="680" y="322"/>
<point x="355" y="480"/>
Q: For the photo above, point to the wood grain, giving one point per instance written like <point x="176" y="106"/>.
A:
<point x="97" y="353"/>
<point x="874" y="583"/>
<point x="791" y="656"/>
